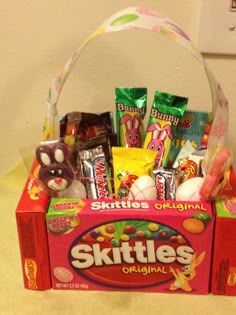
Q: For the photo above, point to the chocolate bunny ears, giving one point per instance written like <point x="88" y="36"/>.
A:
<point x="55" y="172"/>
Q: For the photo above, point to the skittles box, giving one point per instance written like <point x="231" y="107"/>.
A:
<point x="123" y="245"/>
<point x="224" y="258"/>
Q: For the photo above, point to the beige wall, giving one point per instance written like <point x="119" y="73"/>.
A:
<point x="37" y="37"/>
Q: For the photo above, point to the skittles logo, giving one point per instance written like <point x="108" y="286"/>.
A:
<point x="130" y="254"/>
<point x="31" y="268"/>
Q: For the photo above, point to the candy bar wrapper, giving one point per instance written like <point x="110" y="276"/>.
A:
<point x="167" y="181"/>
<point x="166" y="113"/>
<point x="129" y="164"/>
<point x="80" y="126"/>
<point x="95" y="173"/>
<point x="184" y="153"/>
<point x="189" y="161"/>
<point x="131" y="104"/>
<point x="107" y="142"/>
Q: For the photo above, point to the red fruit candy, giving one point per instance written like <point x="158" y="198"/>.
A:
<point x="129" y="229"/>
<point x="205" y="139"/>
<point x="140" y="233"/>
<point x="110" y="229"/>
<point x="207" y="128"/>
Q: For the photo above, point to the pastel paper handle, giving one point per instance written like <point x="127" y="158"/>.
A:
<point x="141" y="18"/>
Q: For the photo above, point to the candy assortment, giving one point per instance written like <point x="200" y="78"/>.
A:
<point x="133" y="222"/>
<point x="126" y="209"/>
<point x="138" y="219"/>
<point x="102" y="164"/>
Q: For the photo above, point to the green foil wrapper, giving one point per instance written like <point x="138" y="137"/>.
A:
<point x="131" y="106"/>
<point x="166" y="113"/>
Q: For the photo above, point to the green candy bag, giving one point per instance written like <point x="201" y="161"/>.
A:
<point x="131" y="106"/>
<point x="166" y="113"/>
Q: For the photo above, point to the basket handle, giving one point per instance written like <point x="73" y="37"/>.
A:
<point x="136" y="17"/>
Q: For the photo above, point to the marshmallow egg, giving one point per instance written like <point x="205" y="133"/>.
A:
<point x="189" y="190"/>
<point x="143" y="188"/>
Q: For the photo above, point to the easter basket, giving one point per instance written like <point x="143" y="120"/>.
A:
<point x="139" y="18"/>
<point x="66" y="217"/>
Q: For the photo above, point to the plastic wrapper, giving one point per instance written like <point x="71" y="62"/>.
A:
<point x="94" y="157"/>
<point x="129" y="164"/>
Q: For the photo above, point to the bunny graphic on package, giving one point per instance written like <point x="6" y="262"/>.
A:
<point x="182" y="277"/>
<point x="133" y="137"/>
<point x="159" y="136"/>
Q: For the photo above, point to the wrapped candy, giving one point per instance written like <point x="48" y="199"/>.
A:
<point x="129" y="164"/>
<point x="166" y="112"/>
<point x="131" y="106"/>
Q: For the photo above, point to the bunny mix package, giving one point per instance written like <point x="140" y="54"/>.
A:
<point x="126" y="207"/>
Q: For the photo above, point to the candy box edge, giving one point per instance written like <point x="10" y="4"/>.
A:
<point x="223" y="278"/>
<point x="32" y="235"/>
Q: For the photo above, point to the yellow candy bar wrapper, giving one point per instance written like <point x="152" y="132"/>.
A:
<point x="128" y="165"/>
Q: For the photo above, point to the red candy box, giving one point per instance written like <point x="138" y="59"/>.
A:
<point x="224" y="258"/>
<point x="125" y="245"/>
<point x="30" y="217"/>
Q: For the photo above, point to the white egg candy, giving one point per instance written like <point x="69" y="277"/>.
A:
<point x="143" y="188"/>
<point x="189" y="190"/>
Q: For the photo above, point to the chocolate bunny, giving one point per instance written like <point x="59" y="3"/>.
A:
<point x="133" y="136"/>
<point x="55" y="172"/>
<point x="159" y="135"/>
